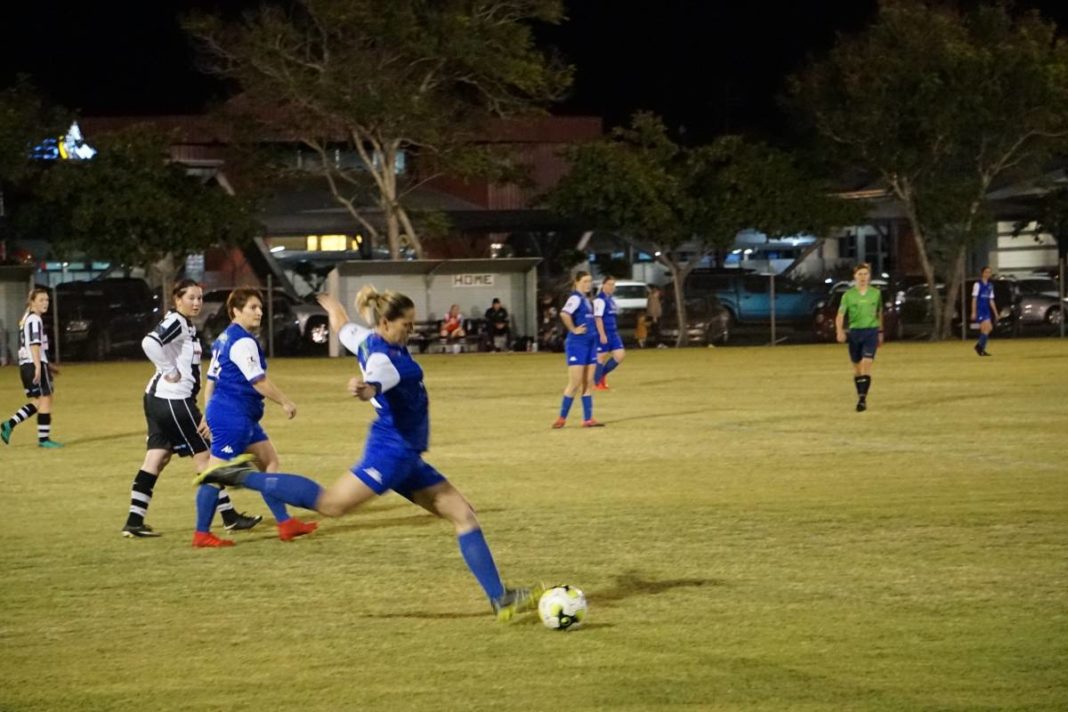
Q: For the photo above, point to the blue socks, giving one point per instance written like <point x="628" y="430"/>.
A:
<point x="598" y="373"/>
<point x="478" y="558"/>
<point x="982" y="341"/>
<point x="291" y="489"/>
<point x="609" y="366"/>
<point x="587" y="407"/>
<point x="207" y="498"/>
<point x="565" y="406"/>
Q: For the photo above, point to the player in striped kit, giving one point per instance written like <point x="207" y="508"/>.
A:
<point x="175" y="425"/>
<point x="610" y="350"/>
<point x="36" y="372"/>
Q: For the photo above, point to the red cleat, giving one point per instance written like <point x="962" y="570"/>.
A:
<point x="600" y="386"/>
<point x="207" y="540"/>
<point x="292" y="528"/>
<point x="559" y="423"/>
<point x="591" y="423"/>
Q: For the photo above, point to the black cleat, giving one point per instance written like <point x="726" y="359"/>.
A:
<point x="243" y="522"/>
<point x="138" y="531"/>
<point x="231" y="473"/>
<point x="861" y="406"/>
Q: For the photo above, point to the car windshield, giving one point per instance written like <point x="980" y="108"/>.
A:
<point x="630" y="291"/>
<point x="1038" y="285"/>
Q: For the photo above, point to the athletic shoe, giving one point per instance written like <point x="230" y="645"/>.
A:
<point x="207" y="540"/>
<point x="985" y="353"/>
<point x="243" y="522"/>
<point x="138" y="531"/>
<point x="231" y="473"/>
<point x="978" y="350"/>
<point x="559" y="423"/>
<point x="515" y="601"/>
<point x="5" y="431"/>
<point x="591" y="423"/>
<point x="49" y="444"/>
<point x="291" y="528"/>
<point x="861" y="406"/>
<point x="601" y="386"/>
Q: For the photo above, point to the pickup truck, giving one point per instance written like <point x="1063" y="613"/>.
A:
<point x="747" y="296"/>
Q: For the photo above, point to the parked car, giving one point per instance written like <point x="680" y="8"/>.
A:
<point x="1036" y="299"/>
<point x="917" y="316"/>
<point x="823" y="324"/>
<point x="747" y="296"/>
<point x="708" y="323"/>
<point x="299" y="326"/>
<point x="104" y="317"/>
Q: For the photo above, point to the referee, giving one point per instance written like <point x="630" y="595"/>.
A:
<point x="175" y="425"/>
<point x="862" y="306"/>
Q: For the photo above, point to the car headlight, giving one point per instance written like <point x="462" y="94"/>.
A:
<point x="1005" y="313"/>
<point x="77" y="325"/>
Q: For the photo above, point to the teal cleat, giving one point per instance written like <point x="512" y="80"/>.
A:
<point x="49" y="444"/>
<point x="231" y="473"/>
<point x="5" y="432"/>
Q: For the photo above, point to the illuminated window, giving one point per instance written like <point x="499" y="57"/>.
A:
<point x="313" y="243"/>
<point x="334" y="243"/>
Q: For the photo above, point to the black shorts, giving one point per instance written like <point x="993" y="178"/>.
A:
<point x="172" y="425"/>
<point x="36" y="390"/>
<point x="862" y="344"/>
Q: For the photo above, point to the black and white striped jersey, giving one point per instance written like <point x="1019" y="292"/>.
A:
<point x="173" y="347"/>
<point x="31" y="333"/>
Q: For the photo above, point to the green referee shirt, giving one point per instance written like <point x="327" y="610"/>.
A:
<point x="862" y="310"/>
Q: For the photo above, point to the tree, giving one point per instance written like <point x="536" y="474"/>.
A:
<point x="131" y="206"/>
<point x="382" y="80"/>
<point x="680" y="204"/>
<point x="939" y="104"/>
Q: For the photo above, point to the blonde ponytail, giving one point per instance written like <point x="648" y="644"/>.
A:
<point x="373" y="306"/>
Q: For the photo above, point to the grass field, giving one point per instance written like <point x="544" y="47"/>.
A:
<point x="746" y="542"/>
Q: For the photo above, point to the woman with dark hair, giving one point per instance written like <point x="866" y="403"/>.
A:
<point x="36" y="372"/>
<point x="610" y="351"/>
<point x="984" y="309"/>
<point x="580" y="348"/>
<point x="237" y="385"/>
<point x="393" y="455"/>
<point x="175" y="425"/>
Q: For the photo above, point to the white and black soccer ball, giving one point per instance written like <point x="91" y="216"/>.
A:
<point x="563" y="608"/>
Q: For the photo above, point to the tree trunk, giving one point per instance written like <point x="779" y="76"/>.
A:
<point x="920" y="239"/>
<point x="679" y="272"/>
<point x="952" y="293"/>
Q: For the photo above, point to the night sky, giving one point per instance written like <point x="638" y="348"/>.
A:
<point x="707" y="67"/>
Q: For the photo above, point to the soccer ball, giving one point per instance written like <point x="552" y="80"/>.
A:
<point x="562" y="608"/>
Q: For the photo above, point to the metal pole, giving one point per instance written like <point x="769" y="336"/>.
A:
<point x="270" y="316"/>
<point x="54" y="306"/>
<point x="1063" y="260"/>
<point x="771" y="293"/>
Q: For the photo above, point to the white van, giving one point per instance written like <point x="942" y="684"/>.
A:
<point x="630" y="296"/>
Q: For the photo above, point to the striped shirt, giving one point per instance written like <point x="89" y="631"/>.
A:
<point x="173" y="347"/>
<point x="32" y="333"/>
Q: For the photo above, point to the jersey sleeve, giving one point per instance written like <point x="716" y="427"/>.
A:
<point x="33" y="329"/>
<point x="158" y="355"/>
<point x="380" y="370"/>
<point x="571" y="304"/>
<point x="167" y="331"/>
<point x="843" y="306"/>
<point x="598" y="307"/>
<point x="975" y="290"/>
<point x="246" y="356"/>
<point x="352" y="335"/>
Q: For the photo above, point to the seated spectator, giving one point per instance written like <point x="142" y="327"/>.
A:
<point x="452" y="326"/>
<point x="499" y="325"/>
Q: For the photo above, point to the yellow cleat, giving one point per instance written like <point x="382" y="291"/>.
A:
<point x="515" y="601"/>
<point x="229" y="474"/>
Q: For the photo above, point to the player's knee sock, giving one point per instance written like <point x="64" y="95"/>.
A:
<point x="225" y="507"/>
<point x="140" y="497"/>
<point x="982" y="341"/>
<point x="598" y="372"/>
<point x="478" y="558"/>
<point x="277" y="507"/>
<point x="609" y="366"/>
<point x="587" y="407"/>
<point x="856" y="383"/>
<point x="296" y="490"/>
<point x="863" y="386"/>
<point x="565" y="406"/>
<point x="22" y="414"/>
<point x="44" y="427"/>
<point x="207" y="496"/>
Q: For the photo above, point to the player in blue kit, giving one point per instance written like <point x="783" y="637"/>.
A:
<point x="580" y="347"/>
<point x="392" y="460"/>
<point x="236" y="386"/>
<point x="610" y="351"/>
<point x="984" y="309"/>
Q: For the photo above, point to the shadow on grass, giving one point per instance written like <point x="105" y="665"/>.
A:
<point x="658" y="415"/>
<point x="632" y="584"/>
<point x="418" y="518"/>
<point x="103" y="438"/>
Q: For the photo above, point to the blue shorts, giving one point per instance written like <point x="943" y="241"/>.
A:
<point x="233" y="436"/>
<point x="983" y="314"/>
<point x="615" y="343"/>
<point x="862" y="344"/>
<point x="580" y="352"/>
<point x="390" y="464"/>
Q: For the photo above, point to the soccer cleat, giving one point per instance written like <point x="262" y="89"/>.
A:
<point x="243" y="522"/>
<point x="207" y="540"/>
<point x="5" y="431"/>
<point x="591" y="423"/>
<point x="978" y="350"/>
<point x="138" y="531"/>
<point x="861" y="406"/>
<point x="515" y="601"/>
<point x="291" y="528"/>
<point x="601" y="386"/>
<point x="559" y="423"/>
<point x="49" y="444"/>
<point x="985" y="353"/>
<point x="230" y="473"/>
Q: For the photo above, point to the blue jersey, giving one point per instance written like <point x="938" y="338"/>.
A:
<point x="237" y="363"/>
<point x="983" y="292"/>
<point x="402" y="403"/>
<point x="604" y="306"/>
<point x="579" y="308"/>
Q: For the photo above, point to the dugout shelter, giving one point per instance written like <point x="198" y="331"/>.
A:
<point x="435" y="285"/>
